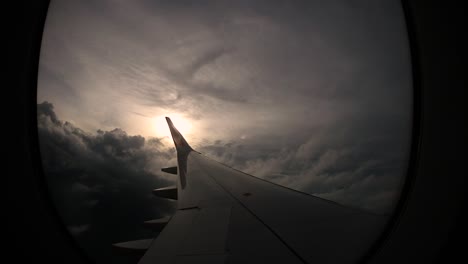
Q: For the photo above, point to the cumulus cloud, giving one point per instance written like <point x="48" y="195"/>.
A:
<point x="103" y="179"/>
<point x="364" y="167"/>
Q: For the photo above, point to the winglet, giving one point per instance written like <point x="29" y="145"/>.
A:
<point x="179" y="141"/>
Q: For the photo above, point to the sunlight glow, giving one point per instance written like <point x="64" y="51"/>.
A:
<point x="181" y="123"/>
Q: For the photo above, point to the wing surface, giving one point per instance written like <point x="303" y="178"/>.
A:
<point x="226" y="216"/>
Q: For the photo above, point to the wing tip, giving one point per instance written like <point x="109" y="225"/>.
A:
<point x="179" y="141"/>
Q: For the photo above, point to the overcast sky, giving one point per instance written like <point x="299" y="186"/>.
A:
<point x="314" y="95"/>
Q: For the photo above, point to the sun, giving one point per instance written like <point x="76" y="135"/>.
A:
<point x="182" y="124"/>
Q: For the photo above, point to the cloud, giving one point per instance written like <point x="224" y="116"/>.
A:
<point x="103" y="179"/>
<point x="224" y="62"/>
<point x="46" y="110"/>
<point x="342" y="163"/>
<point x="362" y="166"/>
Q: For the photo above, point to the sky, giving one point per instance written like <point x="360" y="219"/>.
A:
<point x="313" y="95"/>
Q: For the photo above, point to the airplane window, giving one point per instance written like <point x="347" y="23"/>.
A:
<point x="315" y="96"/>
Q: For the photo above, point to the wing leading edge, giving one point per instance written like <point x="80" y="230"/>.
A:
<point x="226" y="216"/>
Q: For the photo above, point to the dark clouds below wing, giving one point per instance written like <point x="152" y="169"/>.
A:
<point x="101" y="184"/>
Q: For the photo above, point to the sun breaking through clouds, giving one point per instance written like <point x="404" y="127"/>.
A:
<point x="184" y="126"/>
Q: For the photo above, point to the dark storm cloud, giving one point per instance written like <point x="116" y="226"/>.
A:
<point x="101" y="183"/>
<point x="46" y="110"/>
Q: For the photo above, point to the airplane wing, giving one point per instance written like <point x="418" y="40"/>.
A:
<point x="227" y="216"/>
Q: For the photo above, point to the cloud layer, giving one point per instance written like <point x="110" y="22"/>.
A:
<point x="314" y="95"/>
<point x="245" y="66"/>
<point x="101" y="182"/>
<point x="362" y="166"/>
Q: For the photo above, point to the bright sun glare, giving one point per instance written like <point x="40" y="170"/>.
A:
<point x="162" y="130"/>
